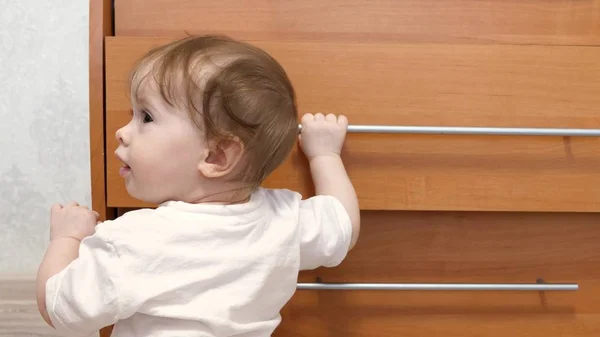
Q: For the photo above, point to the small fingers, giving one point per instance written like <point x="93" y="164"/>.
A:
<point x="307" y="118"/>
<point x="342" y="121"/>
<point x="330" y="118"/>
<point x="339" y="119"/>
<point x="72" y="203"/>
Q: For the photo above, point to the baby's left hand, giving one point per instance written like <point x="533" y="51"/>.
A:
<point x="322" y="135"/>
<point x="72" y="221"/>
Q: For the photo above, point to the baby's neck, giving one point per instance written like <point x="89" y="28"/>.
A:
<point x="221" y="194"/>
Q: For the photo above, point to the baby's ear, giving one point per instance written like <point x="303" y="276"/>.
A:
<point x="222" y="157"/>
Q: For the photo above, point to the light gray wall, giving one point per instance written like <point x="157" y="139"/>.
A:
<point x="44" y="147"/>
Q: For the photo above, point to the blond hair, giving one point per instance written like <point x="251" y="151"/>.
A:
<point x="232" y="90"/>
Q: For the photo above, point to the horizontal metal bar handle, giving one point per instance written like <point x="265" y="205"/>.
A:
<point x="439" y="286"/>
<point x="463" y="130"/>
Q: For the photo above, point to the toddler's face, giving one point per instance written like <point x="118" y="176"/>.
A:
<point x="160" y="149"/>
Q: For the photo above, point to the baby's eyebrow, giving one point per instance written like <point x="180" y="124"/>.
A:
<point x="147" y="103"/>
<point x="138" y="102"/>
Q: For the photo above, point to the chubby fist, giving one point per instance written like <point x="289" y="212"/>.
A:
<point x="322" y="135"/>
<point x="72" y="220"/>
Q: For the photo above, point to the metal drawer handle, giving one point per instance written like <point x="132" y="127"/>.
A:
<point x="439" y="286"/>
<point x="463" y="130"/>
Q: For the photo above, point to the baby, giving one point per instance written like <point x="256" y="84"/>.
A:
<point x="212" y="118"/>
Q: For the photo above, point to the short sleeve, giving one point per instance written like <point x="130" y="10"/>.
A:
<point x="84" y="297"/>
<point x="325" y="232"/>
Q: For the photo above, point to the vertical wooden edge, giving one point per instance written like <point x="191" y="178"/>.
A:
<point x="101" y="25"/>
<point x="100" y="16"/>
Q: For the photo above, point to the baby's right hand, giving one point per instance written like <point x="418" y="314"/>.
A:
<point x="73" y="221"/>
<point x="322" y="135"/>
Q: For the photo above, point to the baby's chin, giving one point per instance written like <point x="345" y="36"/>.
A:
<point x="145" y="197"/>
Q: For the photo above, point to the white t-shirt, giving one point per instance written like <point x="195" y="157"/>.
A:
<point x="198" y="269"/>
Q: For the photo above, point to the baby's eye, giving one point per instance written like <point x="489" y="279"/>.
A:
<point x="146" y="118"/>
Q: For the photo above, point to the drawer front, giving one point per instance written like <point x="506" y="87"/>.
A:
<point x="566" y="22"/>
<point x="464" y="248"/>
<point x="439" y="85"/>
<point x="468" y="63"/>
<point x="460" y="248"/>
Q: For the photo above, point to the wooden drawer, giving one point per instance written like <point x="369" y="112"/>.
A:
<point x="428" y="84"/>
<point x="558" y="22"/>
<point x="455" y="247"/>
<point x="531" y="63"/>
<point x="464" y="248"/>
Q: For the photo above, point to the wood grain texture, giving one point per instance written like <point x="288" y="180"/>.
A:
<point x="423" y="84"/>
<point x="19" y="316"/>
<point x="100" y="26"/>
<point x="440" y="247"/>
<point x="426" y="62"/>
<point x="458" y="247"/>
<point x="480" y="247"/>
<point x="564" y="22"/>
<point x="335" y="320"/>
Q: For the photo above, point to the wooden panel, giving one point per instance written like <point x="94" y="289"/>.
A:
<point x="441" y="247"/>
<point x="100" y="26"/>
<point x="565" y="22"/>
<point x="422" y="84"/>
<point x="329" y="319"/>
<point x="506" y="247"/>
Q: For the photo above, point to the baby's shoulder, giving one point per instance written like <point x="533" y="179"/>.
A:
<point x="127" y="224"/>
<point x="281" y="197"/>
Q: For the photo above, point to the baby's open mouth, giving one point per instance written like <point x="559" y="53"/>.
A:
<point x="124" y="170"/>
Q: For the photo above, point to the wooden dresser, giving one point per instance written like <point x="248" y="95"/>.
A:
<point x="469" y="210"/>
